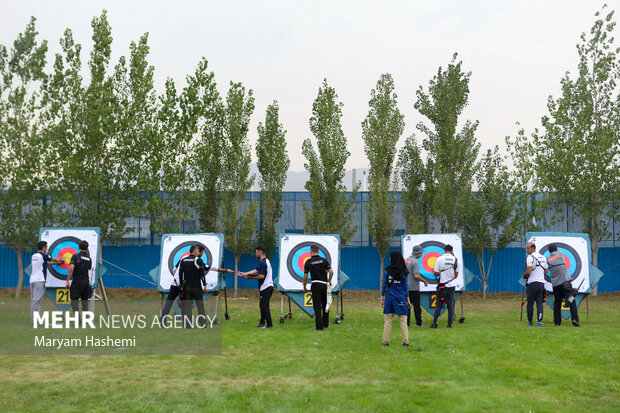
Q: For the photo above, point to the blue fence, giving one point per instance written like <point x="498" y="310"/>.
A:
<point x="360" y="263"/>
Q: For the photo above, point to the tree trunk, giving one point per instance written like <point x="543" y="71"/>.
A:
<point x="484" y="289"/>
<point x="20" y="272"/>
<point x="236" y="268"/>
<point x="381" y="275"/>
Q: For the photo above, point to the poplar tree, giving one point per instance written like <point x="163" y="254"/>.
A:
<point x="23" y="147"/>
<point x="331" y="209"/>
<point x="273" y="163"/>
<point x="381" y="131"/>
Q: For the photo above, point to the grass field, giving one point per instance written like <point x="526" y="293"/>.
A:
<point x="492" y="362"/>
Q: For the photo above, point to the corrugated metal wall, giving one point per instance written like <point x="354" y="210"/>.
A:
<point x="360" y="263"/>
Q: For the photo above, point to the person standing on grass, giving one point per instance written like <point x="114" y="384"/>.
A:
<point x="536" y="267"/>
<point x="38" y="276"/>
<point x="177" y="285"/>
<point x="395" y="297"/>
<point x="561" y="285"/>
<point x="79" y="269"/>
<point x="446" y="269"/>
<point x="318" y="267"/>
<point x="413" y="267"/>
<point x="263" y="274"/>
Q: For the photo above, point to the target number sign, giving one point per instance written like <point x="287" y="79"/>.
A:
<point x="175" y="247"/>
<point x="62" y="296"/>
<point x="432" y="300"/>
<point x="295" y="251"/>
<point x="63" y="243"/>
<point x="575" y="250"/>
<point x="433" y="248"/>
<point x="308" y="299"/>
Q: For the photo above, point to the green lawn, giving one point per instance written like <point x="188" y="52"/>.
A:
<point x="492" y="362"/>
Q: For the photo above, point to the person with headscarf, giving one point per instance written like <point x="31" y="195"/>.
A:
<point x="395" y="297"/>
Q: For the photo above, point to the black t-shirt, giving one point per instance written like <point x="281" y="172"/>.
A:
<point x="82" y="264"/>
<point x="192" y="271"/>
<point x="317" y="266"/>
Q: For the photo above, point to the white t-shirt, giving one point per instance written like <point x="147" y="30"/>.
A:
<point x="268" y="280"/>
<point x="539" y="265"/>
<point x="445" y="266"/>
<point x="39" y="267"/>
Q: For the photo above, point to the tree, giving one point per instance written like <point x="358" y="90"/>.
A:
<point x="416" y="182"/>
<point x="381" y="131"/>
<point x="488" y="219"/>
<point x="201" y="130"/>
<point x="578" y="150"/>
<point x="239" y="224"/>
<point x="22" y="158"/>
<point x="452" y="154"/>
<point x="138" y="145"/>
<point x="331" y="210"/>
<point x="273" y="163"/>
<point x="97" y="191"/>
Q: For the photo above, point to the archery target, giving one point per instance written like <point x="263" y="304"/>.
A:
<point x="295" y="250"/>
<point x="63" y="243"/>
<point x="176" y="246"/>
<point x="433" y="248"/>
<point x="576" y="254"/>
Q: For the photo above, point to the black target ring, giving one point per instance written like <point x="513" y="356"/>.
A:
<point x="295" y="250"/>
<point x="71" y="245"/>
<point x="571" y="251"/>
<point x="171" y="257"/>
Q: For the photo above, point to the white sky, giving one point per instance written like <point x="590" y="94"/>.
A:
<point x="517" y="51"/>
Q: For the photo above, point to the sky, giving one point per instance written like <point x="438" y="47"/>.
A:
<point x="517" y="52"/>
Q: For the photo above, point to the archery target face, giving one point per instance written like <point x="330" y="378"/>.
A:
<point x="176" y="247"/>
<point x="575" y="250"/>
<point x="295" y="250"/>
<point x="63" y="243"/>
<point x="433" y="248"/>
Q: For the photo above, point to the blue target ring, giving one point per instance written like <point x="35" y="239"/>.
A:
<point x="64" y="247"/>
<point x="573" y="265"/>
<point x="182" y="250"/>
<point x="298" y="256"/>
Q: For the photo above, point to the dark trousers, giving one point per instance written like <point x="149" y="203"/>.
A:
<point x="535" y="292"/>
<point x="191" y="294"/>
<point x="265" y="312"/>
<point x="414" y="296"/>
<point x="559" y="293"/>
<point x="173" y="293"/>
<point x="79" y="291"/>
<point x="449" y="303"/>
<point x="319" y="301"/>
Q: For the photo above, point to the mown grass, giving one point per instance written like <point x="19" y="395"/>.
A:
<point x="492" y="362"/>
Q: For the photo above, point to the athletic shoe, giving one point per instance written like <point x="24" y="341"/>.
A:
<point x="406" y="344"/>
<point x="433" y="325"/>
<point x="576" y="323"/>
<point x="449" y="325"/>
<point x="385" y="344"/>
<point x="269" y="327"/>
<point x="540" y="324"/>
<point x="530" y="324"/>
<point x="421" y="325"/>
<point x="261" y="326"/>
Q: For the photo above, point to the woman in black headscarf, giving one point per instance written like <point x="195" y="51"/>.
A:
<point x="395" y="297"/>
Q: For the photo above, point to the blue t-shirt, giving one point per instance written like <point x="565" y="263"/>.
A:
<point x="398" y="289"/>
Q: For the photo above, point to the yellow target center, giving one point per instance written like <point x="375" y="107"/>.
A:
<point x="67" y="257"/>
<point x="306" y="260"/>
<point x="432" y="261"/>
